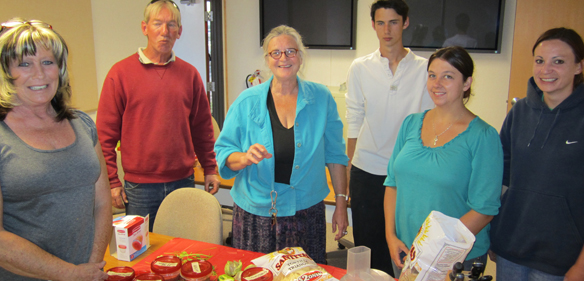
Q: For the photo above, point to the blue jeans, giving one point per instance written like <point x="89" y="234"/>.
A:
<point x="507" y="270"/>
<point x="145" y="198"/>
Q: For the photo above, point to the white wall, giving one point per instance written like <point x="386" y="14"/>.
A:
<point x="191" y="45"/>
<point x="117" y="33"/>
<point x="329" y="67"/>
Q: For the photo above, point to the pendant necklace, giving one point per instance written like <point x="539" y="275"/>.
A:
<point x="434" y="128"/>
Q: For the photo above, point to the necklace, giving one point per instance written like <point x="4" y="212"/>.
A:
<point x="434" y="128"/>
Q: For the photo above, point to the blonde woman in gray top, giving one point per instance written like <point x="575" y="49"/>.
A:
<point x="55" y="199"/>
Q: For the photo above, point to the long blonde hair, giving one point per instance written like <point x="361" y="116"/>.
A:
<point x="24" y="40"/>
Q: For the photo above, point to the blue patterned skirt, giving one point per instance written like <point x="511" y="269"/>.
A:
<point x="306" y="229"/>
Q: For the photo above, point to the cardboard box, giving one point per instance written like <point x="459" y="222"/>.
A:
<point x="130" y="237"/>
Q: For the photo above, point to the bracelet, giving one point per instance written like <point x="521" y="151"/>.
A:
<point x="341" y="195"/>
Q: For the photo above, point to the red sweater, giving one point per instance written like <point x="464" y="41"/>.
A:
<point x="161" y="115"/>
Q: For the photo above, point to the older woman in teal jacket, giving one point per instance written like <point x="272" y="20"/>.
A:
<point x="276" y="140"/>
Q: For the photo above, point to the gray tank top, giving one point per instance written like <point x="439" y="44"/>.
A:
<point x="48" y="195"/>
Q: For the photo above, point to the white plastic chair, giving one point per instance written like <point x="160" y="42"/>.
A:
<point x="190" y="213"/>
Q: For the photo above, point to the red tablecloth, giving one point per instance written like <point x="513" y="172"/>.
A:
<point x="219" y="255"/>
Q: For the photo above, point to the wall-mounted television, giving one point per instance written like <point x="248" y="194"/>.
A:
<point x="323" y="24"/>
<point x="475" y="25"/>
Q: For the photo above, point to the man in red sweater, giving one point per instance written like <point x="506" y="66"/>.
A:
<point x="155" y="104"/>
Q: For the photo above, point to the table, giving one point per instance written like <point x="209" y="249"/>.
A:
<point x="228" y="184"/>
<point x="162" y="244"/>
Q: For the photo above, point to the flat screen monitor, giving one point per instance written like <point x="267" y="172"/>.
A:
<point x="475" y="25"/>
<point x="323" y="24"/>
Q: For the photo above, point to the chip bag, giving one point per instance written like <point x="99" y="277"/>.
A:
<point x="293" y="264"/>
<point x="441" y="242"/>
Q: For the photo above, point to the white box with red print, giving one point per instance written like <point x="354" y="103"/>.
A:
<point x="129" y="237"/>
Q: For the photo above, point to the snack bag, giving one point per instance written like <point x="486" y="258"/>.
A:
<point x="293" y="264"/>
<point x="441" y="242"/>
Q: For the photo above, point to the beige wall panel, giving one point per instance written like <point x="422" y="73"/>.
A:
<point x="73" y="20"/>
<point x="532" y="18"/>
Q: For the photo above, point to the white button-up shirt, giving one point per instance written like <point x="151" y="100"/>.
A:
<point x="378" y="101"/>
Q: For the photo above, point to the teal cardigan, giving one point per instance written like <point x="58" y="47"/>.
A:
<point x="318" y="135"/>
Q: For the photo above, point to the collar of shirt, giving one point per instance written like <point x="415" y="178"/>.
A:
<point x="409" y="56"/>
<point x="145" y="60"/>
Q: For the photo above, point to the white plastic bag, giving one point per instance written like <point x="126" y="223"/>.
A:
<point x="293" y="264"/>
<point x="441" y="242"/>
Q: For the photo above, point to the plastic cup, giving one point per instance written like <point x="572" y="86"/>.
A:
<point x="358" y="260"/>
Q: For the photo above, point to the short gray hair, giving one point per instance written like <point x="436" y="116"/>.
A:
<point x="284" y="30"/>
<point x="154" y="9"/>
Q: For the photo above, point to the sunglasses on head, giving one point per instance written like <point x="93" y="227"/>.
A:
<point x="172" y="2"/>
<point x="10" y="24"/>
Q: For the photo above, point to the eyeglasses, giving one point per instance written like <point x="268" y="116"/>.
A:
<point x="174" y="4"/>
<point x="276" y="54"/>
<point x="10" y="24"/>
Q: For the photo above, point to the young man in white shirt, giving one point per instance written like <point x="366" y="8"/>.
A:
<point x="383" y="88"/>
